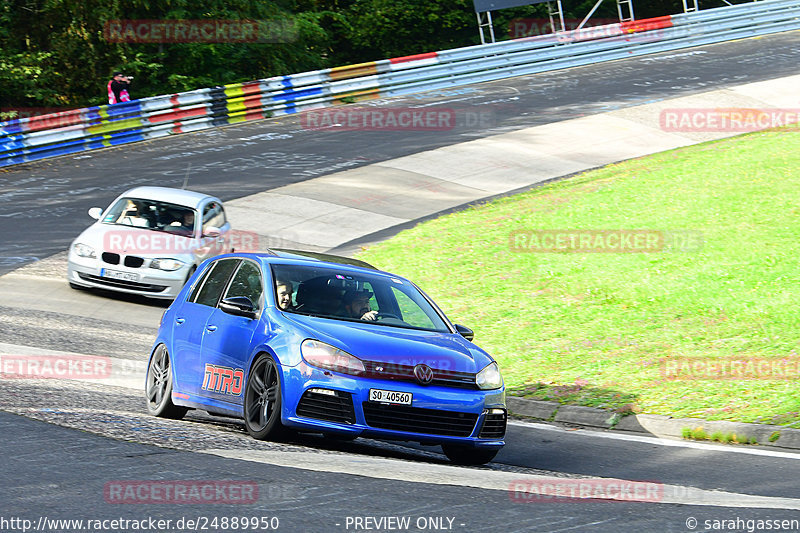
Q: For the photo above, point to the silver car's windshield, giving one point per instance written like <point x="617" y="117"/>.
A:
<point x="358" y="297"/>
<point x="152" y="215"/>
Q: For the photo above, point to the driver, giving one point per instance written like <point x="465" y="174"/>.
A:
<point x="356" y="305"/>
<point x="184" y="223"/>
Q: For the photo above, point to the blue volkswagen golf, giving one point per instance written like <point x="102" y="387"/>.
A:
<point x="320" y="343"/>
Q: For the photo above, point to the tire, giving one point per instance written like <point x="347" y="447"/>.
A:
<point x="158" y="387"/>
<point x="263" y="400"/>
<point x="464" y="455"/>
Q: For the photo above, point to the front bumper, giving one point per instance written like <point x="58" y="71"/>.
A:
<point x="153" y="283"/>
<point x="436" y="415"/>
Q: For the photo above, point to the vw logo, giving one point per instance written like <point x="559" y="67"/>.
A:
<point x="424" y="374"/>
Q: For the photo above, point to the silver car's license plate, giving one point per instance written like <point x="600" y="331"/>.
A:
<point x="116" y="274"/>
<point x="390" y="396"/>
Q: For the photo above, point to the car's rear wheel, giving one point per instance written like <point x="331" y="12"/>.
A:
<point x="464" y="455"/>
<point x="158" y="386"/>
<point x="262" y="400"/>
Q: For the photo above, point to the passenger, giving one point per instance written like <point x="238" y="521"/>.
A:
<point x="283" y="290"/>
<point x="356" y="305"/>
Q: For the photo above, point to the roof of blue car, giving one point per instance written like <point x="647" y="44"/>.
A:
<point x="301" y="256"/>
<point x="317" y="256"/>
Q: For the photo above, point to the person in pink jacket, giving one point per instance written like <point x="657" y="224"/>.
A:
<point x="118" y="88"/>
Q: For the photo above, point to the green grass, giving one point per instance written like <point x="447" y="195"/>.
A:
<point x="718" y="436"/>
<point x="595" y="329"/>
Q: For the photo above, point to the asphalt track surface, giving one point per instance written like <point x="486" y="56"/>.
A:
<point x="61" y="472"/>
<point x="64" y="473"/>
<point x="43" y="205"/>
<point x="302" y="501"/>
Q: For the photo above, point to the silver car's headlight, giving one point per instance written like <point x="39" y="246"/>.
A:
<point x="322" y="355"/>
<point x="166" y="264"/>
<point x="84" y="250"/>
<point x="489" y="378"/>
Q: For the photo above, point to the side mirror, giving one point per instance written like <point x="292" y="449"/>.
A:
<point x="95" y="213"/>
<point x="239" y="306"/>
<point x="465" y="332"/>
<point x="211" y="231"/>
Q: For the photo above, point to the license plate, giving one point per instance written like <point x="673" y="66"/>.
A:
<point x="390" y="396"/>
<point x="116" y="274"/>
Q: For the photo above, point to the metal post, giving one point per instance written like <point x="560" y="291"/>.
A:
<point x="587" y="17"/>
<point x="629" y="4"/>
<point x="558" y="11"/>
<point x="690" y="5"/>
<point x="483" y="24"/>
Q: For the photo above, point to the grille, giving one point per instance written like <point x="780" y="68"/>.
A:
<point x="395" y="372"/>
<point x="337" y="408"/>
<point x="494" y="426"/>
<point x="111" y="259"/>
<point x="133" y="261"/>
<point x="121" y="283"/>
<point x="418" y="420"/>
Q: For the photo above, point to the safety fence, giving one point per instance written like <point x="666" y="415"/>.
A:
<point x="30" y="139"/>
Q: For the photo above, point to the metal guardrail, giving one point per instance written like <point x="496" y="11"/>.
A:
<point x="34" y="138"/>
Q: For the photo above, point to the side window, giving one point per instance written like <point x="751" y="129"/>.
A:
<point x="213" y="216"/>
<point x="247" y="282"/>
<point x="412" y="314"/>
<point x="215" y="282"/>
<point x="200" y="281"/>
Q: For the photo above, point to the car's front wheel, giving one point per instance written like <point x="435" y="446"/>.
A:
<point x="158" y="386"/>
<point x="262" y="400"/>
<point x="465" y="455"/>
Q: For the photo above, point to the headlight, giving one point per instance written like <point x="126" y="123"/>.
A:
<point x="325" y="356"/>
<point x="489" y="377"/>
<point x="166" y="264"/>
<point x="83" y="250"/>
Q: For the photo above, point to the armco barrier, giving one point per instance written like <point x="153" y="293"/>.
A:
<point x="30" y="139"/>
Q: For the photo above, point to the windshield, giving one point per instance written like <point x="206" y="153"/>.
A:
<point x="342" y="295"/>
<point x="152" y="215"/>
